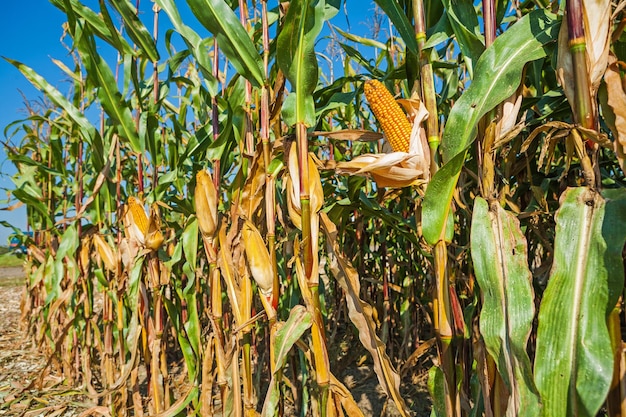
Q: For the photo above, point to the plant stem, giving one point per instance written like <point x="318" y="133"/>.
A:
<point x="583" y="109"/>
<point x="427" y="86"/>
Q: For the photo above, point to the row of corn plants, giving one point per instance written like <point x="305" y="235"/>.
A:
<point x="224" y="221"/>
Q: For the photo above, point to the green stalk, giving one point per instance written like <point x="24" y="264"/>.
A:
<point x="427" y="86"/>
<point x="322" y="365"/>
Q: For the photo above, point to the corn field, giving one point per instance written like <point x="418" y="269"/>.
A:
<point x="227" y="216"/>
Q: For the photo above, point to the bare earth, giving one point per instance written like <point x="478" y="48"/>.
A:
<point x="21" y="363"/>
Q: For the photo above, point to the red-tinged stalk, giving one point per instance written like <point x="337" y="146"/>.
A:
<point x="155" y="80"/>
<point x="583" y="108"/>
<point x="249" y="403"/>
<point x="270" y="188"/>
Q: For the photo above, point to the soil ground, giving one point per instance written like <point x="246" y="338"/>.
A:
<point x="21" y="363"/>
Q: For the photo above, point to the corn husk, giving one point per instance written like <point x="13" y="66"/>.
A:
<point x="109" y="259"/>
<point x="136" y="221"/>
<point x="397" y="169"/>
<point x="154" y="236"/>
<point x="258" y="258"/>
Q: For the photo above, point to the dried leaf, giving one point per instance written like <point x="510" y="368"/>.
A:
<point x="617" y="103"/>
<point x="351" y="135"/>
<point x="360" y="314"/>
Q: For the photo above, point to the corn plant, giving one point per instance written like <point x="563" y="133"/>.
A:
<point x="217" y="215"/>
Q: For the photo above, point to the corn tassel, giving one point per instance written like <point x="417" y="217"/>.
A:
<point x="392" y="119"/>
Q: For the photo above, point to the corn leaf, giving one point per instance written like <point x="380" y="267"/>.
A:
<point x="111" y="99"/>
<point x="400" y="21"/>
<point x="98" y="23"/>
<point x="296" y="53"/>
<point x="300" y="319"/>
<point x="360" y="314"/>
<point x="499" y="72"/>
<point x="136" y="29"/>
<point x="194" y="42"/>
<point x="464" y="23"/>
<point x="89" y="131"/>
<point x="501" y="266"/>
<point x="231" y="36"/>
<point x="574" y="359"/>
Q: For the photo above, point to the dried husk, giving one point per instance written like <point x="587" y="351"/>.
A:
<point x="109" y="259"/>
<point x="154" y="236"/>
<point x="597" y="23"/>
<point x="616" y="100"/>
<point x="136" y="221"/>
<point x="397" y="169"/>
<point x="258" y="257"/>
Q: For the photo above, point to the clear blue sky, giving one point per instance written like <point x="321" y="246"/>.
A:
<point x="31" y="32"/>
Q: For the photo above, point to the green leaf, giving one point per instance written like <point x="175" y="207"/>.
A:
<point x="136" y="29"/>
<point x="194" y="42"/>
<point x="400" y="21"/>
<point x="574" y="359"/>
<point x="498" y="74"/>
<point x="436" y="203"/>
<point x="287" y="335"/>
<point x="111" y="99"/>
<point x="331" y="8"/>
<point x="464" y="23"/>
<point x="97" y="23"/>
<point x="499" y="71"/>
<point x="501" y="266"/>
<point x="441" y="32"/>
<point x="190" y="246"/>
<point x="437" y="390"/>
<point x="288" y="111"/>
<point x="296" y="52"/>
<point x="57" y="98"/>
<point x="231" y="36"/>
<point x="360" y="59"/>
<point x="363" y="41"/>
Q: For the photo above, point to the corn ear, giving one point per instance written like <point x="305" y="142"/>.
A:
<point x="136" y="220"/>
<point x="154" y="236"/>
<point x="392" y="119"/>
<point x="258" y="258"/>
<point x="106" y="253"/>
<point x="205" y="197"/>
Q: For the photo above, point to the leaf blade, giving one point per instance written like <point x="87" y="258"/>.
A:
<point x="574" y="360"/>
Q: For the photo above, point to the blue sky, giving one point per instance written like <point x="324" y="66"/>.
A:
<point x="31" y="33"/>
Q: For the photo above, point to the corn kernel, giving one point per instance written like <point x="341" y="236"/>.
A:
<point x="392" y="119"/>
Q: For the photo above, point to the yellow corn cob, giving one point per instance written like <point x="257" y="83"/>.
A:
<point x="392" y="119"/>
<point x="137" y="219"/>
<point x="205" y="199"/>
